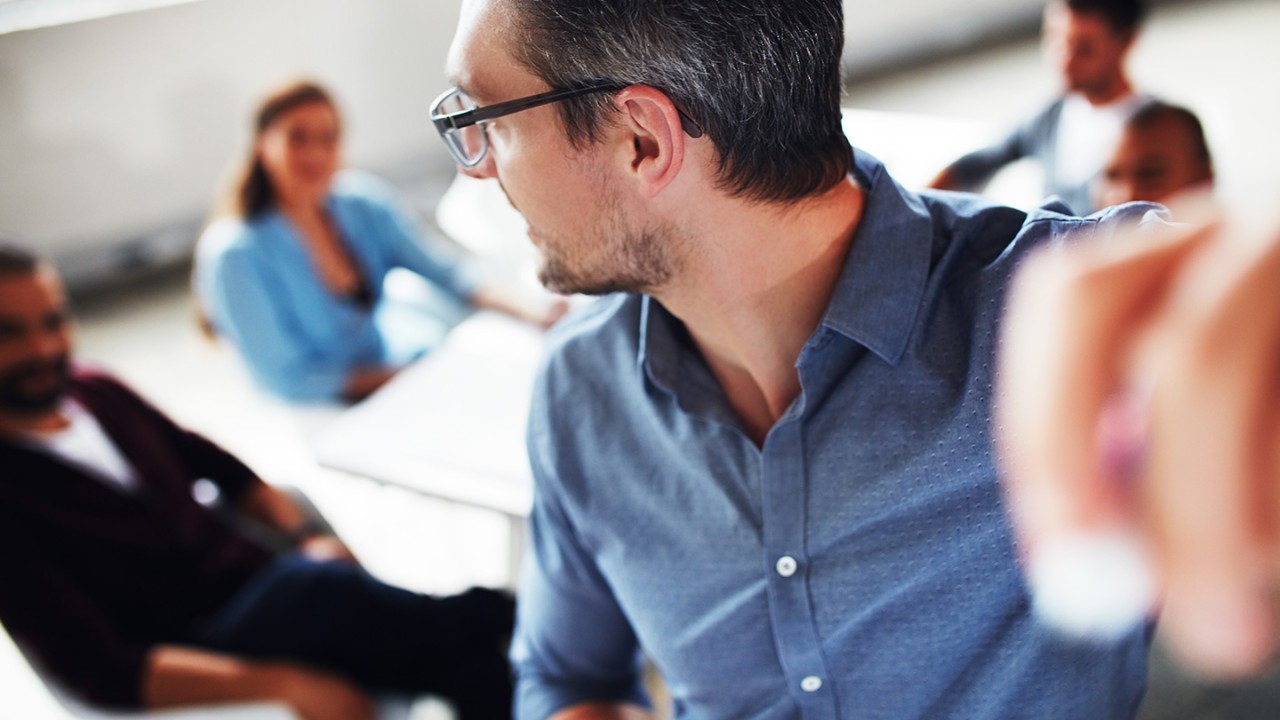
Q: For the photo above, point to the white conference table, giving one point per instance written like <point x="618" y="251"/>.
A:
<point x="451" y="426"/>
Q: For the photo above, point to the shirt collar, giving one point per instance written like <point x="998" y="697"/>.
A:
<point x="879" y="291"/>
<point x="668" y="356"/>
<point x="876" y="296"/>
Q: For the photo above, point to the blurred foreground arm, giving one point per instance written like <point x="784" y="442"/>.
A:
<point x="1139" y="396"/>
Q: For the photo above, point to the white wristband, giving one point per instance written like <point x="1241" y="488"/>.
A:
<point x="1095" y="585"/>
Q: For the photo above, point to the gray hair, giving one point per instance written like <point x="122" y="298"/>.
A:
<point x="762" y="78"/>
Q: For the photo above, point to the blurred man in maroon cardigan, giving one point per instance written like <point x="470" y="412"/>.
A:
<point x="130" y="592"/>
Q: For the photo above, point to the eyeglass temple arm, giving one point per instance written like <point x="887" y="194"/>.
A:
<point x="466" y="118"/>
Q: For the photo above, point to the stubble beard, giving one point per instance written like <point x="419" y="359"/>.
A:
<point x="627" y="259"/>
<point x="639" y="262"/>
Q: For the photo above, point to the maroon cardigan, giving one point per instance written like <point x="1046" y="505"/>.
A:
<point x="91" y="577"/>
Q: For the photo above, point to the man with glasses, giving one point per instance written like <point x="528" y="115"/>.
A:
<point x="764" y="458"/>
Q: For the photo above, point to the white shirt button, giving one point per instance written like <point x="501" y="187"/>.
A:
<point x="813" y="683"/>
<point x="786" y="566"/>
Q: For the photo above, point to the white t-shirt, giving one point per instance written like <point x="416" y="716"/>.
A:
<point x="86" y="445"/>
<point x="1087" y="135"/>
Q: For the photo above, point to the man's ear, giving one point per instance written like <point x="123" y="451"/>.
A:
<point x="651" y="124"/>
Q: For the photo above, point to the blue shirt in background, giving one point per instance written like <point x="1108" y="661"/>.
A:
<point x="860" y="564"/>
<point x="259" y="286"/>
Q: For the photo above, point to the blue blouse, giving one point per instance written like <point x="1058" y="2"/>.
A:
<point x="260" y="288"/>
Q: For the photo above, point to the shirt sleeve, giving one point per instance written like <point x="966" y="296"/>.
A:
<point x="62" y="633"/>
<point x="243" y="307"/>
<point x="974" y="170"/>
<point x="203" y="458"/>
<point x="410" y="247"/>
<point x="572" y="644"/>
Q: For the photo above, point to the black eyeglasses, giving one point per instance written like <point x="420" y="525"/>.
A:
<point x="461" y="123"/>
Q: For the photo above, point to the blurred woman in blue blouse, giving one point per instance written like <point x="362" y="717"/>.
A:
<point x="292" y="270"/>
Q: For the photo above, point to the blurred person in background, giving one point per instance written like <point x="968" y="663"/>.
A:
<point x="1088" y="43"/>
<point x="1162" y="152"/>
<point x="292" y="272"/>
<point x="117" y="582"/>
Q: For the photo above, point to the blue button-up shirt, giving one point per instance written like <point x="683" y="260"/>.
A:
<point x="857" y="565"/>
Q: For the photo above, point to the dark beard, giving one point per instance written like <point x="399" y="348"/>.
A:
<point x="15" y="399"/>
<point x="641" y="265"/>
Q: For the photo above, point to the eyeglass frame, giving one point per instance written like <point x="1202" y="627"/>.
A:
<point x="477" y="115"/>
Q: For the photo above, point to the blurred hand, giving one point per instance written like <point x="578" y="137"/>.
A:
<point x="551" y="311"/>
<point x="318" y="695"/>
<point x="326" y="548"/>
<point x="1139" y="391"/>
<point x="536" y="308"/>
<point x="363" y="382"/>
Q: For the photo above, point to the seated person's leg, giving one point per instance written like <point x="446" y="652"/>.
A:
<point x="337" y="616"/>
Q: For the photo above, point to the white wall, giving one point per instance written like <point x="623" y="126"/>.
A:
<point x="115" y="132"/>
<point x="113" y="128"/>
<point x="881" y="34"/>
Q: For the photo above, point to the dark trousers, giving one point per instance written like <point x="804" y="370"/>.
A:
<point x="338" y="617"/>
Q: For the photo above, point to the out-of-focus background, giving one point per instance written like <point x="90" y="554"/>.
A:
<point x="115" y="129"/>
<point x="118" y="119"/>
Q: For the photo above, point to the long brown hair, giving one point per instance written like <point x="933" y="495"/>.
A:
<point x="249" y="192"/>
